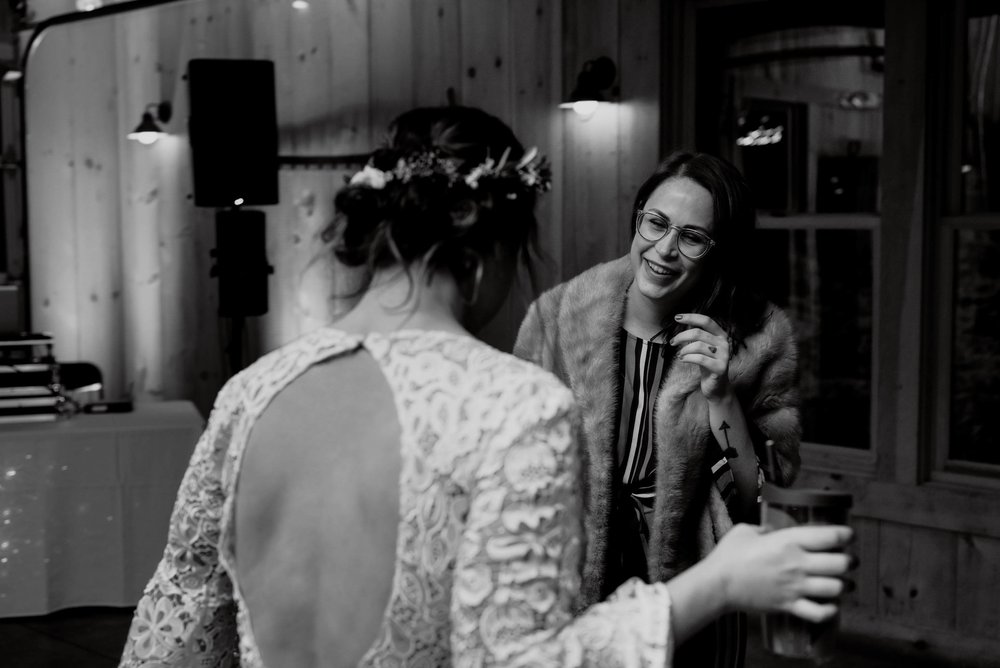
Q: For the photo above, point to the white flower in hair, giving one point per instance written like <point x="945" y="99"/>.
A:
<point x="371" y="177"/>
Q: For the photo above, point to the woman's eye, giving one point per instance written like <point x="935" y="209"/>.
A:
<point x="692" y="237"/>
<point x="657" y="223"/>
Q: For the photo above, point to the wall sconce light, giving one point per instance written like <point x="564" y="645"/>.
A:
<point x="301" y="5"/>
<point x="88" y="5"/>
<point x="596" y="76"/>
<point x="148" y="130"/>
<point x="860" y="100"/>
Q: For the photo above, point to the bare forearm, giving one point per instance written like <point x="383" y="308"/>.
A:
<point x="697" y="597"/>
<point x="729" y="426"/>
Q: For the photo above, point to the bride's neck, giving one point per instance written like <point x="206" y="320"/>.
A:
<point x="395" y="301"/>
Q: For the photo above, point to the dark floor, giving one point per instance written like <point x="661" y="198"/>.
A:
<point x="93" y="638"/>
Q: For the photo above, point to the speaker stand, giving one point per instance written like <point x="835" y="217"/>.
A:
<point x="234" y="349"/>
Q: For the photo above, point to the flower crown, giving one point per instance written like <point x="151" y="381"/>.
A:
<point x="531" y="172"/>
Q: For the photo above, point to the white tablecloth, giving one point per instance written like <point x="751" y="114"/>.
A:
<point x="85" y="504"/>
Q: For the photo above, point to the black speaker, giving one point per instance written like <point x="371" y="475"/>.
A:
<point x="234" y="132"/>
<point x="241" y="262"/>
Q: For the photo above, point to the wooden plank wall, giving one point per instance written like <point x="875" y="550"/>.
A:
<point x="119" y="254"/>
<point x="923" y="578"/>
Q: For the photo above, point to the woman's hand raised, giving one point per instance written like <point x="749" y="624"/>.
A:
<point x="706" y="344"/>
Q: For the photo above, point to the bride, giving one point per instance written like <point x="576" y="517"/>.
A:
<point x="393" y="492"/>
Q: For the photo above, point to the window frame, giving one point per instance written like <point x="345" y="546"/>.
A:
<point x="947" y="220"/>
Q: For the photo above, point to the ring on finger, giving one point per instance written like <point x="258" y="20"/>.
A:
<point x="713" y="349"/>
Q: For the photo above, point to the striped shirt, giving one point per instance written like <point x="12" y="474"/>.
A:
<point x="643" y="365"/>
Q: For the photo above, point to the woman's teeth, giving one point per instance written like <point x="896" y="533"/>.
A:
<point x="659" y="271"/>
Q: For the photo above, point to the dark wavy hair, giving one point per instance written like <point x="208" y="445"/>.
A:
<point x="433" y="220"/>
<point x="727" y="292"/>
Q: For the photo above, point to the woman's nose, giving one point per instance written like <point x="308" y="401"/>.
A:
<point x="667" y="245"/>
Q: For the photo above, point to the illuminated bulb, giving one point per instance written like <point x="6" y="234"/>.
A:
<point x="88" y="5"/>
<point x="144" y="138"/>
<point x="238" y="201"/>
<point x="300" y="5"/>
<point x="585" y="108"/>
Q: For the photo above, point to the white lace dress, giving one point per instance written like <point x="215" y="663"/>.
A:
<point x="489" y="542"/>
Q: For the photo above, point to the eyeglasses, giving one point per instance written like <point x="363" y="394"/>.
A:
<point x="692" y="244"/>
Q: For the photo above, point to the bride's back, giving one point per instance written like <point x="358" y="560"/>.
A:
<point x="317" y="509"/>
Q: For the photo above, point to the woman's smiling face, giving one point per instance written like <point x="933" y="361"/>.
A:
<point x="662" y="274"/>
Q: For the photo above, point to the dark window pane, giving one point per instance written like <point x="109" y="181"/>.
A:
<point x="975" y="381"/>
<point x="823" y="278"/>
<point x="981" y="146"/>
<point x="799" y="110"/>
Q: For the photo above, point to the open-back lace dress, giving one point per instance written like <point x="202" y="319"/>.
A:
<point x="489" y="539"/>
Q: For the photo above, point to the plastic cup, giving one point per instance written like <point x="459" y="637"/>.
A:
<point x="784" y="634"/>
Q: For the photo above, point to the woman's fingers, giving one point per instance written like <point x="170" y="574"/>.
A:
<point x="812" y="611"/>
<point x="820" y="538"/>
<point x="707" y="350"/>
<point x="828" y="563"/>
<point x="822" y="587"/>
<point x="702" y="321"/>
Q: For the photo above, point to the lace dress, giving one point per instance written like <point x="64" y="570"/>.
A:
<point x="489" y="540"/>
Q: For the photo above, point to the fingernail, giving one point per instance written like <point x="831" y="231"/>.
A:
<point x="671" y="342"/>
<point x="678" y="317"/>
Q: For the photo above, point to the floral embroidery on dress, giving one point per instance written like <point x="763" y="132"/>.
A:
<point x="489" y="540"/>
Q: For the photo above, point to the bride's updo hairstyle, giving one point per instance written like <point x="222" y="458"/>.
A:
<point x="449" y="186"/>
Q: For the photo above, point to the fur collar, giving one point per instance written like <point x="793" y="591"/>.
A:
<point x="583" y="319"/>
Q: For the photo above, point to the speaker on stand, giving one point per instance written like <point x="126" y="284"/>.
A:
<point x="234" y="153"/>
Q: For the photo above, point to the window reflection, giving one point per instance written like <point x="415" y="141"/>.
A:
<point x="981" y="146"/>
<point x="807" y="110"/>
<point x="975" y="384"/>
<point x="822" y="278"/>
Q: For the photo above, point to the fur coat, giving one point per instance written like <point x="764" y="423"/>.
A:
<point x="573" y="330"/>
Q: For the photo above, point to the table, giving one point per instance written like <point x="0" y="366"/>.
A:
<point x="85" y="504"/>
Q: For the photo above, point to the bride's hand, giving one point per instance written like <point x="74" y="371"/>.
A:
<point x="797" y="570"/>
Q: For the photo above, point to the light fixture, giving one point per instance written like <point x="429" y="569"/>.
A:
<point x="300" y="5"/>
<point x="148" y="130"/>
<point x="88" y="5"/>
<point x="860" y="100"/>
<point x="596" y="77"/>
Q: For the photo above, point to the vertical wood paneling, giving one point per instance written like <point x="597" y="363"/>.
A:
<point x="95" y="208"/>
<point x="52" y="244"/>
<point x="348" y="80"/>
<point x="639" y="111"/>
<point x="342" y="67"/>
<point x="977" y="605"/>
<point x="138" y="195"/>
<point x="536" y="81"/>
<point x="436" y="51"/>
<point x="917" y="575"/>
<point x="590" y="177"/>
<point x="391" y="64"/>
<point x="485" y="51"/>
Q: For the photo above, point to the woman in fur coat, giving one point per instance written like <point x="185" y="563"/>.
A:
<point x="682" y="374"/>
